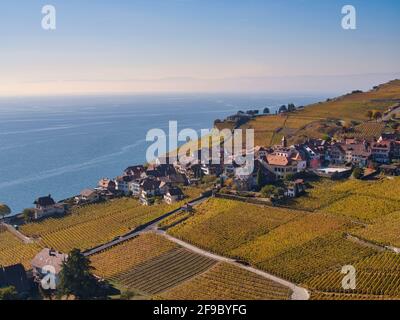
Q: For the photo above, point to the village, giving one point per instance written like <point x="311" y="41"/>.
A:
<point x="280" y="173"/>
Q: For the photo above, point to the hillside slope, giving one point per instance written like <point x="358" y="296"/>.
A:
<point x="319" y="119"/>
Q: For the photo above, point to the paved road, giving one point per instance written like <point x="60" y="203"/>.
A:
<point x="395" y="111"/>
<point x="139" y="230"/>
<point x="299" y="293"/>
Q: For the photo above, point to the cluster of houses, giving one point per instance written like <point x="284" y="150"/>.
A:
<point x="334" y="157"/>
<point x="146" y="183"/>
<point x="163" y="180"/>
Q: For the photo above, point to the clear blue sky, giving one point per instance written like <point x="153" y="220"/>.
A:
<point x="124" y="46"/>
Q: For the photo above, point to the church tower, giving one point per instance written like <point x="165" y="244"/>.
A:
<point x="284" y="142"/>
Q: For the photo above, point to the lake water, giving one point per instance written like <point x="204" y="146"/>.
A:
<point x="60" y="146"/>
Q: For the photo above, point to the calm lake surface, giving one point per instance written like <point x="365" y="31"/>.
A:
<point x="60" y="146"/>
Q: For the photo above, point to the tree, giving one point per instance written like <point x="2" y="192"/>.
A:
<point x="268" y="191"/>
<point x="377" y="115"/>
<point x="279" y="192"/>
<point x="290" y="177"/>
<point x="266" y="110"/>
<point x="28" y="214"/>
<point x="358" y="173"/>
<point x="326" y="137"/>
<point x="369" y="114"/>
<point x="282" y="109"/>
<point x="127" y="295"/>
<point x="76" y="277"/>
<point x="260" y="180"/>
<point x="8" y="293"/>
<point x="291" y="107"/>
<point x="4" y="210"/>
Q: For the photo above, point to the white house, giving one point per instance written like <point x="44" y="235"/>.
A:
<point x="46" y="206"/>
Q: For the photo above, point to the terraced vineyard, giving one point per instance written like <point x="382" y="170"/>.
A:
<point x="174" y="219"/>
<point x="321" y="195"/>
<point x="318" y="119"/>
<point x="164" y="272"/>
<point x="92" y="225"/>
<point x="387" y="188"/>
<point x="348" y="296"/>
<point x="376" y="275"/>
<point x="315" y="257"/>
<point x="369" y="130"/>
<point x="363" y="208"/>
<point x="357" y="200"/>
<point x="288" y="236"/>
<point x="385" y="230"/>
<point x="13" y="251"/>
<point x="122" y="258"/>
<point x="221" y="225"/>
<point x="228" y="282"/>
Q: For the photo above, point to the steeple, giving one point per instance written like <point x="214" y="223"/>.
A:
<point x="284" y="142"/>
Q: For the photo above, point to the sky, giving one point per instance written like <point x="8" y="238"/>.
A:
<point x="149" y="46"/>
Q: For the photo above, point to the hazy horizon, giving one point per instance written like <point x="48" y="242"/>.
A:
<point x="196" y="46"/>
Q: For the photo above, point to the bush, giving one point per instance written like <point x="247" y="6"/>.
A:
<point x="358" y="173"/>
<point x="268" y="191"/>
<point x="8" y="293"/>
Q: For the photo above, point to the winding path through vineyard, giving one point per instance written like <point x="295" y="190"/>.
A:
<point x="299" y="293"/>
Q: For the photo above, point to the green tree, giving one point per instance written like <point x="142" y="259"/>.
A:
<point x="377" y="115"/>
<point x="260" y="180"/>
<point x="279" y="192"/>
<point x="4" y="210"/>
<point x="290" y="177"/>
<point x="326" y="137"/>
<point x="127" y="295"/>
<point x="76" y="277"/>
<point x="291" y="107"/>
<point x="8" y="293"/>
<point x="28" y="215"/>
<point x="266" y="110"/>
<point x="268" y="191"/>
<point x="282" y="109"/>
<point x="358" y="173"/>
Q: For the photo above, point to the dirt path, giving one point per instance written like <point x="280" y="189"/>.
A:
<point x="299" y="293"/>
<point x="371" y="244"/>
<point x="16" y="233"/>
